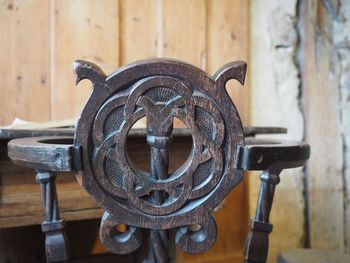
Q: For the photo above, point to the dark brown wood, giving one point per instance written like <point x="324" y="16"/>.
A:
<point x="56" y="244"/>
<point x="43" y="153"/>
<point x="261" y="154"/>
<point x="161" y="200"/>
<point x="161" y="90"/>
<point x="272" y="156"/>
<point x="13" y="133"/>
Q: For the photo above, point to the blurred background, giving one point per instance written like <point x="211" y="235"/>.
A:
<point x="298" y="55"/>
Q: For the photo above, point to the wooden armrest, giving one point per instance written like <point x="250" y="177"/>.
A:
<point x="260" y="154"/>
<point x="43" y="153"/>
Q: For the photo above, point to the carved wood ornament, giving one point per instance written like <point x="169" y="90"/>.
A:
<point x="165" y="207"/>
<point x="159" y="90"/>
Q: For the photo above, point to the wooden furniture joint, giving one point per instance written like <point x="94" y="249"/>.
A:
<point x="183" y="200"/>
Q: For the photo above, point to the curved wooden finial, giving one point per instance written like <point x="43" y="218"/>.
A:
<point x="234" y="70"/>
<point x="87" y="70"/>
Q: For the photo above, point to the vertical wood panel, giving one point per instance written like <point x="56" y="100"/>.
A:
<point x="227" y="41"/>
<point x="321" y="69"/>
<point x="184" y="28"/>
<point x="24" y="60"/>
<point x="204" y="33"/>
<point x="138" y="36"/>
<point x="84" y="29"/>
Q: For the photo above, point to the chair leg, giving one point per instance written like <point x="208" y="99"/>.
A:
<point x="56" y="244"/>
<point x="257" y="244"/>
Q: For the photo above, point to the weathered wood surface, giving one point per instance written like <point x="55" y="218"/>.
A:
<point x="227" y="40"/>
<point x="205" y="33"/>
<point x="20" y="195"/>
<point x="21" y="205"/>
<point x="161" y="199"/>
<point x="310" y="39"/>
<point x="275" y="100"/>
<point x="192" y="22"/>
<point x="325" y="62"/>
<point x="257" y="154"/>
<point x="21" y="202"/>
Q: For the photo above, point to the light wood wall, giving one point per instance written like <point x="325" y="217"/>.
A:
<point x="40" y="39"/>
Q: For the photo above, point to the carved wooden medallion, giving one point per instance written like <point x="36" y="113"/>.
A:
<point x="159" y="90"/>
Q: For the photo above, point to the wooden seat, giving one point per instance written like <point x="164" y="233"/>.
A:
<point x="161" y="206"/>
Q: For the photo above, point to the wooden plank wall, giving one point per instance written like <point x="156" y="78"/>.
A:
<point x="43" y="38"/>
<point x="40" y="39"/>
<point x="25" y="60"/>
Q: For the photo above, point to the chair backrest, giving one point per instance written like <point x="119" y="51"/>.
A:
<point x="160" y="90"/>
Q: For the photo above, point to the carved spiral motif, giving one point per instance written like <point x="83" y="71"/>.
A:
<point x="119" y="242"/>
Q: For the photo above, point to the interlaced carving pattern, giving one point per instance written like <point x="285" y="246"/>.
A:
<point x="159" y="90"/>
<point x="161" y="103"/>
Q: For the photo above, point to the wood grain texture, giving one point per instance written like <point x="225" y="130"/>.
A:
<point x="138" y="30"/>
<point x="90" y="30"/>
<point x="227" y="27"/>
<point x="184" y="27"/>
<point x="341" y="29"/>
<point x="81" y="29"/>
<point x="21" y="202"/>
<point x="24" y="61"/>
<point x="320" y="66"/>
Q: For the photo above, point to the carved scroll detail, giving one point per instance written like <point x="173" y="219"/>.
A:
<point x="119" y="242"/>
<point x="197" y="238"/>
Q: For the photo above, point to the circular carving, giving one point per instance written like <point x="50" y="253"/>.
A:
<point x="159" y="91"/>
<point x="160" y="99"/>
